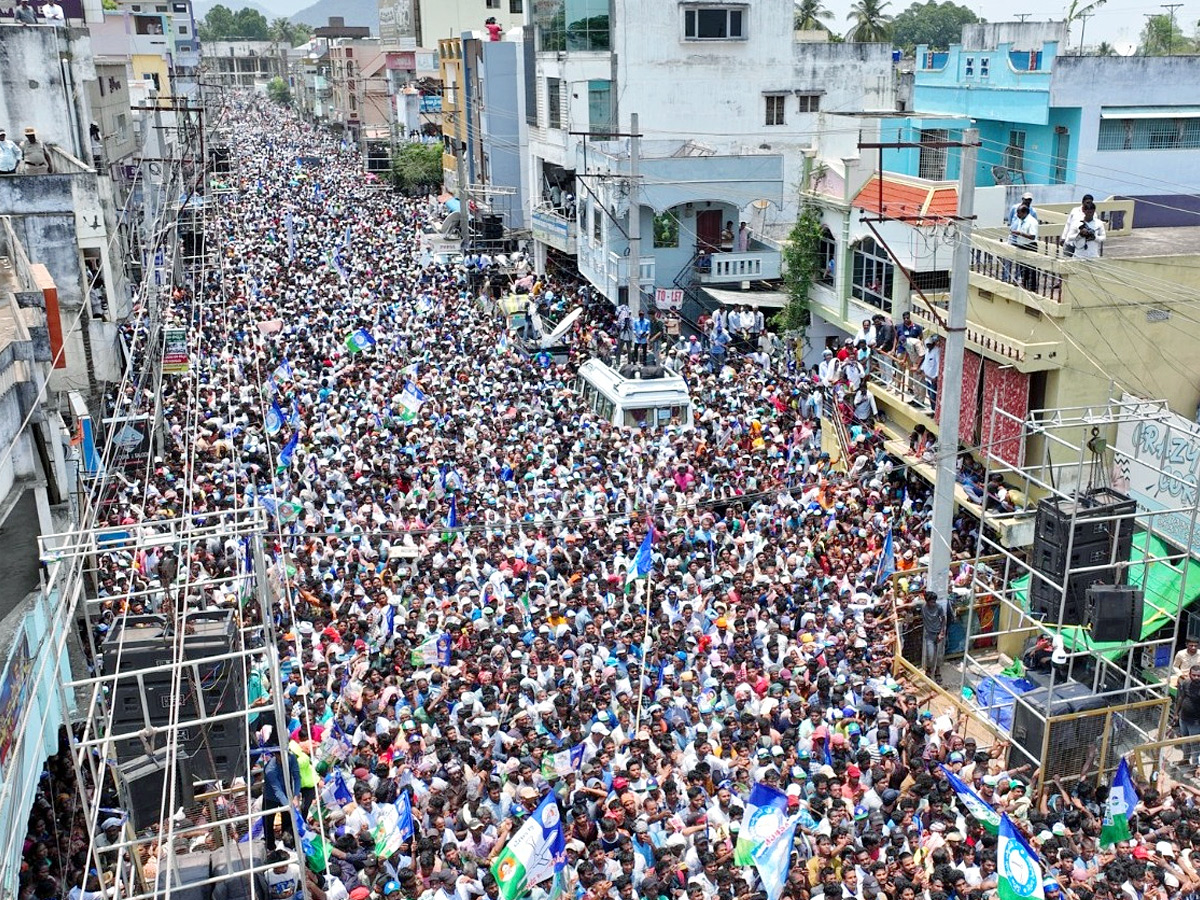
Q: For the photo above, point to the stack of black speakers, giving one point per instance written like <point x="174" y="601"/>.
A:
<point x="140" y="643"/>
<point x="1100" y="538"/>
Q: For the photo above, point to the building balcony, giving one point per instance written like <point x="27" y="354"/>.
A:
<point x="554" y="229"/>
<point x="1032" y="277"/>
<point x="1025" y="356"/>
<point x="449" y="162"/>
<point x="759" y="263"/>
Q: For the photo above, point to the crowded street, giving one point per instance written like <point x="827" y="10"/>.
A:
<point x="489" y="597"/>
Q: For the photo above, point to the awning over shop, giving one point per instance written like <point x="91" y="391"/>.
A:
<point x="754" y="299"/>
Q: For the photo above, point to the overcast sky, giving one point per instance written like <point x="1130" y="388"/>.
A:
<point x="1119" y="21"/>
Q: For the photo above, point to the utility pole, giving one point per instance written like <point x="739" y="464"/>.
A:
<point x="950" y="388"/>
<point x="1170" y="8"/>
<point x="1083" y="17"/>
<point x="635" y="218"/>
<point x="1022" y="16"/>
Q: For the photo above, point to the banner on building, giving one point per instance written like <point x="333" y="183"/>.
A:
<point x="175" y="351"/>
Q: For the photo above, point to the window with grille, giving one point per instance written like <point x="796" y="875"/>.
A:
<point x="1149" y="134"/>
<point x="809" y="103"/>
<point x="714" y="24"/>
<point x="985" y="67"/>
<point x="970" y="70"/>
<point x="516" y="7"/>
<point x="1014" y="153"/>
<point x="775" y="113"/>
<point x="492" y="4"/>
<point x="871" y="280"/>
<point x="934" y="282"/>
<point x="931" y="163"/>
<point x="827" y="253"/>
<point x="554" y="102"/>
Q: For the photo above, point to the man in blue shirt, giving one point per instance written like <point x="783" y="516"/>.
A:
<point x="641" y="337"/>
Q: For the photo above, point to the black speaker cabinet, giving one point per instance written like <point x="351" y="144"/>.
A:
<point x="1115" y="613"/>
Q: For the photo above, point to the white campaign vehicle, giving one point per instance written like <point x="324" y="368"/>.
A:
<point x="635" y="398"/>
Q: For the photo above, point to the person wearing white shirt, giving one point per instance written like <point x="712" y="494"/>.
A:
<point x="931" y="367"/>
<point x="1084" y="237"/>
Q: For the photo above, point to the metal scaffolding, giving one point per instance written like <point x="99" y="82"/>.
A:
<point x="1069" y="453"/>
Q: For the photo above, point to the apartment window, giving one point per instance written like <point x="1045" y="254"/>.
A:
<point x="718" y="23"/>
<point x="985" y="66"/>
<point x="516" y="7"/>
<point x="666" y="231"/>
<point x="597" y="223"/>
<point x="554" y="102"/>
<point x="122" y="127"/>
<point x="970" y="70"/>
<point x="1149" y="134"/>
<point x="179" y="7"/>
<point x="871" y="281"/>
<point x="182" y="29"/>
<point x="775" y="114"/>
<point x="1014" y="153"/>
<point x="160" y="9"/>
<point x="931" y="163"/>
<point x="1062" y="153"/>
<point x="828" y="257"/>
<point x="152" y="76"/>
<point x="572" y="25"/>
<point x="809" y="103"/>
<point x="600" y="106"/>
<point x="492" y="4"/>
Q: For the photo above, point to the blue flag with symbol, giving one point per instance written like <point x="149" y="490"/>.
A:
<point x="887" y="560"/>
<point x="405" y="823"/>
<point x="288" y="451"/>
<point x="273" y="422"/>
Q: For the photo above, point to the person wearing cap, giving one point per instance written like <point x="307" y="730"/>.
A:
<point x="35" y="158"/>
<point x="10" y="155"/>
<point x="1026" y="201"/>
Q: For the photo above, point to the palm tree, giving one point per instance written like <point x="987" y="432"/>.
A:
<point x="1106" y="49"/>
<point x="871" y="24"/>
<point x="809" y="14"/>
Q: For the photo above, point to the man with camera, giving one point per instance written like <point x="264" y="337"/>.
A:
<point x="1084" y="232"/>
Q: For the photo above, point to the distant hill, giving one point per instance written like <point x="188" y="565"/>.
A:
<point x="355" y="12"/>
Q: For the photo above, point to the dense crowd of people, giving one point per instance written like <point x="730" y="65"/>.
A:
<point x="459" y="561"/>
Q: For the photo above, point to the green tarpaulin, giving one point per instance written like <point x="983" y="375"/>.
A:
<point x="1161" y="591"/>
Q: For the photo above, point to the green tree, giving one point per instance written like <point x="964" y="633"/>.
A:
<point x="1105" y="49"/>
<point x="218" y="24"/>
<point x="937" y="24"/>
<point x="1159" y="38"/>
<point x="801" y="267"/>
<point x="278" y="90"/>
<point x="251" y="25"/>
<point x="417" y="167"/>
<point x="871" y="24"/>
<point x="809" y="14"/>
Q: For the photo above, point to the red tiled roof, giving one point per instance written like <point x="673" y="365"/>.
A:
<point x="902" y="197"/>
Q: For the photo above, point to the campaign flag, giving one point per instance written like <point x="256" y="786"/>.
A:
<point x="359" y="341"/>
<point x="536" y="852"/>
<point x="335" y="260"/>
<point x="312" y="844"/>
<point x="405" y="824"/>
<point x="773" y="857"/>
<point x="341" y="792"/>
<point x="283" y="372"/>
<point x="766" y="811"/>
<point x="1122" y="799"/>
<point x="433" y="651"/>
<point x="346" y="237"/>
<point x="564" y="762"/>
<point x="294" y="419"/>
<point x="973" y="803"/>
<point x="1018" y="874"/>
<point x="887" y="560"/>
<point x="288" y="451"/>
<point x="273" y="422"/>
<point x="291" y="235"/>
<point x="642" y="562"/>
<point x="389" y="830"/>
<point x="411" y="400"/>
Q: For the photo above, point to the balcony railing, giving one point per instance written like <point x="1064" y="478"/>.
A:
<point x="553" y="228"/>
<point x="992" y="343"/>
<point x="759" y="263"/>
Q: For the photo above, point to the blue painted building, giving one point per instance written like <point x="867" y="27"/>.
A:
<point x="1061" y="124"/>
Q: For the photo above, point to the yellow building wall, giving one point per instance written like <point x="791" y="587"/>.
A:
<point x="144" y="64"/>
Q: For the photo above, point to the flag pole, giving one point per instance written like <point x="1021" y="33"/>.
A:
<point x="637" y="722"/>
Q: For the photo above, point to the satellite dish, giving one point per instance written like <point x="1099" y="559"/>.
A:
<point x="761" y="204"/>
<point x="1002" y="174"/>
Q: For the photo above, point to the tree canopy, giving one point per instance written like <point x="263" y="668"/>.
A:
<point x="808" y="15"/>
<point x="871" y="23"/>
<point x="223" y="24"/>
<point x="1160" y="38"/>
<point x="937" y="24"/>
<point x="289" y="34"/>
<point x="278" y="90"/>
<point x="417" y="167"/>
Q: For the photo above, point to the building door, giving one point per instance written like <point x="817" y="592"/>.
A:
<point x="708" y="230"/>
